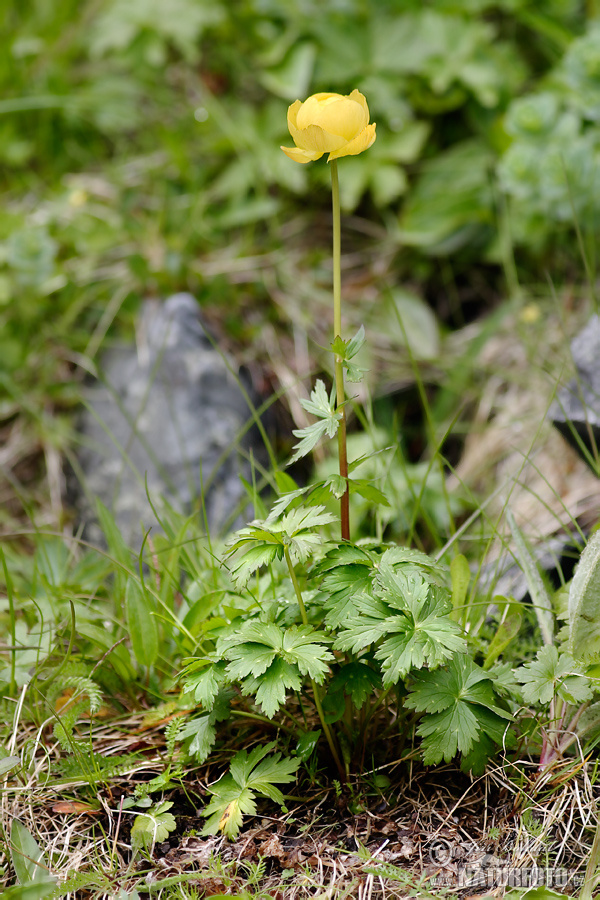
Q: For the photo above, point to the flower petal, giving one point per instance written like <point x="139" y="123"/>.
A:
<point x="302" y="156"/>
<point x="362" y="100"/>
<point x="335" y="114"/>
<point x="315" y="138"/>
<point x="361" y="142"/>
<point x="292" y="113"/>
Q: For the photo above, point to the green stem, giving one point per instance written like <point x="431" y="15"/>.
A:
<point x="339" y="366"/>
<point x="591" y="868"/>
<point x="12" y="625"/>
<point x="240" y="713"/>
<point x="316" y="694"/>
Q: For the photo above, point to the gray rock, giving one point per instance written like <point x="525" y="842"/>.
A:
<point x="576" y="410"/>
<point x="167" y="414"/>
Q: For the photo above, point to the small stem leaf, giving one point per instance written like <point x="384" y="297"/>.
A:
<point x="141" y="624"/>
<point x="355" y="343"/>
<point x="584" y="603"/>
<point x="537" y="589"/>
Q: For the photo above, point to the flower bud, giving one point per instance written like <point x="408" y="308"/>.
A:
<point x="329" y="123"/>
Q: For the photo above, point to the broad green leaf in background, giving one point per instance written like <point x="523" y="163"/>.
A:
<point x="141" y="623"/>
<point x="584" y="603"/>
<point x="291" y="79"/>
<point x="506" y="631"/>
<point x="8" y="763"/>
<point x="27" y="856"/>
<point x="452" y="200"/>
<point x="540" y="597"/>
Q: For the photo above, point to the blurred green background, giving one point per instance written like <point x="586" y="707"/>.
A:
<point x="139" y="156"/>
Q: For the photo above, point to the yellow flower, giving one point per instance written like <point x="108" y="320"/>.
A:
<point x="329" y="123"/>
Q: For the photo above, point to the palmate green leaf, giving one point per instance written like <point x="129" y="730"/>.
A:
<point x="270" y="689"/>
<point x="408" y="614"/>
<point x="282" y="503"/>
<point x="273" y="659"/>
<point x="405" y="583"/>
<point x="304" y="519"/>
<point x="309" y="436"/>
<point x="320" y="403"/>
<point x="203" y="733"/>
<point x="252" y="559"/>
<point x="153" y="826"/>
<point x="202" y="729"/>
<point x="344" y="584"/>
<point x="227" y="808"/>
<point x="204" y="683"/>
<point x="429" y="641"/>
<point x="346" y="574"/>
<point x="447" y="732"/>
<point x="249" y="774"/>
<point x="344" y="555"/>
<point x="551" y="674"/>
<point x="270" y="771"/>
<point x="294" y="530"/>
<point x="300" y="648"/>
<point x="460" y="704"/>
<point x="253" y="647"/>
<point x="372" y="620"/>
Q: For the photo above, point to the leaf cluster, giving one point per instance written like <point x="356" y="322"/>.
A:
<point x="250" y="774"/>
<point x="404" y="615"/>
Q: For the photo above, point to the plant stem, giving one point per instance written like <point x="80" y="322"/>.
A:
<point x="339" y="366"/>
<point x="316" y="694"/>
<point x="591" y="868"/>
<point x="264" y="720"/>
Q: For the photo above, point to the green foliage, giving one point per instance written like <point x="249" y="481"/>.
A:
<point x="463" y="713"/>
<point x="551" y="675"/>
<point x="168" y="116"/>
<point x="250" y="774"/>
<point x="537" y="589"/>
<point x="549" y="169"/>
<point x="405" y="616"/>
<point x="28" y="859"/>
<point x="266" y="541"/>
<point x="269" y="660"/>
<point x="324" y="408"/>
<point x="152" y="827"/>
<point x="584" y="603"/>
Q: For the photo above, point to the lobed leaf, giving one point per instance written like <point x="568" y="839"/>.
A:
<point x="550" y="674"/>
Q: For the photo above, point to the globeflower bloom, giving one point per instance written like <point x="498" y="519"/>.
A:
<point x="329" y="123"/>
